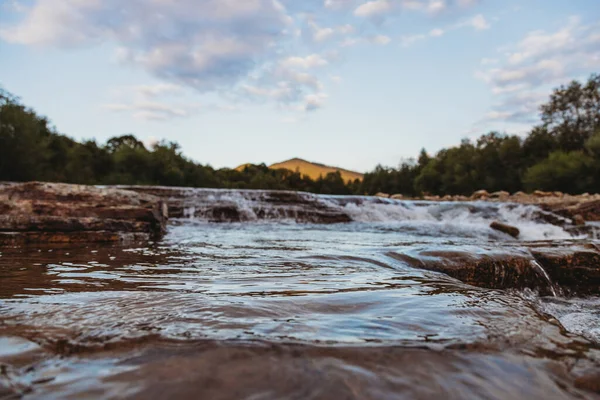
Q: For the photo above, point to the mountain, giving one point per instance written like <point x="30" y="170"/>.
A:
<point x="313" y="170"/>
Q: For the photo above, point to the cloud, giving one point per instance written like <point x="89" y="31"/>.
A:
<point x="378" y="9"/>
<point x="436" y="32"/>
<point x="381" y="39"/>
<point x="276" y="51"/>
<point x="205" y="44"/>
<point x="314" y="101"/>
<point x="148" y="110"/>
<point x="375" y="8"/>
<point x="479" y="22"/>
<point x="311" y="61"/>
<point x="523" y="78"/>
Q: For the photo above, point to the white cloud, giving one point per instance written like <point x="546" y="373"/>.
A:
<point x="522" y="80"/>
<point x="314" y="101"/>
<point x="311" y="61"/>
<point x="381" y="40"/>
<point x="148" y="110"/>
<point x="237" y="50"/>
<point x="436" y="32"/>
<point x="203" y="44"/>
<point x="436" y="6"/>
<point x="338" y="4"/>
<point x="375" y="8"/>
<point x="479" y="22"/>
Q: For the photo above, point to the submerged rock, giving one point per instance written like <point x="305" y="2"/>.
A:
<point x="573" y="270"/>
<point x="58" y="212"/>
<point x="508" y="229"/>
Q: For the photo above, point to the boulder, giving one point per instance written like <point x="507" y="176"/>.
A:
<point x="480" y="194"/>
<point x="397" y="197"/>
<point x="384" y="195"/>
<point x="500" y="195"/>
<point x="508" y="229"/>
<point x="578" y="220"/>
<point x="549" y="268"/>
<point x="540" y="193"/>
<point x="58" y="212"/>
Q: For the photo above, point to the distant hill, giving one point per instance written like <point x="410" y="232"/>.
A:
<point x="313" y="170"/>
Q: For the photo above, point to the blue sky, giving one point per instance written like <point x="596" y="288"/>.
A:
<point x="351" y="83"/>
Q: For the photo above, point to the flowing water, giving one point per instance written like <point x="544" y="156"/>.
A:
<point x="268" y="308"/>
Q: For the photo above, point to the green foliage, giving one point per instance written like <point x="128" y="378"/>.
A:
<point x="569" y="172"/>
<point x="562" y="153"/>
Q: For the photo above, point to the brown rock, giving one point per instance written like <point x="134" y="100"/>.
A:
<point x="480" y="194"/>
<point x="500" y="195"/>
<point x="216" y="205"/>
<point x="540" y="193"/>
<point x="578" y="220"/>
<point x="508" y="229"/>
<point x="498" y="271"/>
<point x="574" y="270"/>
<point x="384" y="195"/>
<point x="57" y="212"/>
<point x="397" y="197"/>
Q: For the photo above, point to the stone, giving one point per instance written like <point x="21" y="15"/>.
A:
<point x="58" y="212"/>
<point x="549" y="268"/>
<point x="480" y="194"/>
<point x="578" y="220"/>
<point x="500" y="195"/>
<point x="218" y="205"/>
<point x="504" y="228"/>
<point x="383" y="195"/>
<point x="540" y="193"/>
<point x="397" y="197"/>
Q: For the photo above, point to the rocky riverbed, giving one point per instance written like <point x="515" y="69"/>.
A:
<point x="263" y="294"/>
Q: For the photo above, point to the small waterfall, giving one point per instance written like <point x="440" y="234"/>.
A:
<point x="544" y="274"/>
<point x="470" y="219"/>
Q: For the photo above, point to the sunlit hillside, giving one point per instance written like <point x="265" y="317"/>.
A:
<point x="313" y="170"/>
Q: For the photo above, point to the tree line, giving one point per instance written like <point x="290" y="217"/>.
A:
<point x="561" y="153"/>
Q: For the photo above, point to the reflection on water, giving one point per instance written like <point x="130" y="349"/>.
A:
<point x="283" y="310"/>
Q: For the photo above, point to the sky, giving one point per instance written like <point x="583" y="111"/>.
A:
<point x="350" y="83"/>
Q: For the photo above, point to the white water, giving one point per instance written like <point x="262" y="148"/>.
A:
<point x="462" y="218"/>
<point x="543" y="272"/>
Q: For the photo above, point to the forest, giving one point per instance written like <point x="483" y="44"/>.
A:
<point x="560" y="153"/>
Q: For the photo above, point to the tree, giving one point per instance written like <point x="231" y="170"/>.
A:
<point x="573" y="113"/>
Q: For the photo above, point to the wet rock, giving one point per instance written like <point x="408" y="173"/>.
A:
<point x="480" y="194"/>
<point x="384" y="195"/>
<point x="223" y="205"/>
<point x="57" y="212"/>
<point x="493" y="271"/>
<point x="578" y="220"/>
<point x="579" y="208"/>
<point x="573" y="270"/>
<point x="508" y="229"/>
<point x="577" y="270"/>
